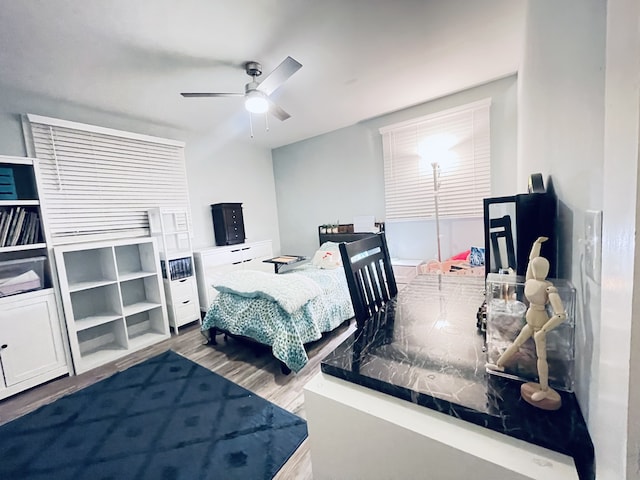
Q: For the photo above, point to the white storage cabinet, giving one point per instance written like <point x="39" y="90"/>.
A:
<point x="171" y="229"/>
<point x="113" y="299"/>
<point x="215" y="261"/>
<point x="404" y="270"/>
<point x="32" y="348"/>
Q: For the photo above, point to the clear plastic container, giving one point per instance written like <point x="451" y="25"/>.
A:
<point x="23" y="275"/>
<point x="506" y="309"/>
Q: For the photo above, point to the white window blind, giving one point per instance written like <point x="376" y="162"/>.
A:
<point x="464" y="168"/>
<point x="98" y="183"/>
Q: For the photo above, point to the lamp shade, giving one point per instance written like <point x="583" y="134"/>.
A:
<point x="256" y="102"/>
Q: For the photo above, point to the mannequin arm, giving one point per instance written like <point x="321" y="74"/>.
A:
<point x="535" y="252"/>
<point x="535" y="248"/>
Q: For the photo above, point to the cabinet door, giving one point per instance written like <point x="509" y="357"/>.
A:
<point x="30" y="330"/>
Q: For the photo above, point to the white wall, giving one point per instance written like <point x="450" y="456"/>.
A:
<point x="561" y="107"/>
<point x="588" y="143"/>
<point x="339" y="175"/>
<point x="231" y="171"/>
<point x="616" y="402"/>
<point x="236" y="172"/>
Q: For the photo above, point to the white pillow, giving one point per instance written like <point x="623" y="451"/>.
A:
<point x="327" y="256"/>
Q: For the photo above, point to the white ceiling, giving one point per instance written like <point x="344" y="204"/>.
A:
<point x="360" y="58"/>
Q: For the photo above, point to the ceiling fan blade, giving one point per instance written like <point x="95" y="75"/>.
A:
<point x="282" y="72"/>
<point x="278" y="112"/>
<point x="194" y="95"/>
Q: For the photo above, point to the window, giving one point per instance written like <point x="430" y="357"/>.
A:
<point x="98" y="183"/>
<point x="456" y="143"/>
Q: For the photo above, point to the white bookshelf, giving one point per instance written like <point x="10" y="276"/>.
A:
<point x="113" y="299"/>
<point x="32" y="349"/>
<point x="171" y="229"/>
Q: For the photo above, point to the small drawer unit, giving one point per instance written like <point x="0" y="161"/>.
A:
<point x="182" y="301"/>
<point x="228" y="223"/>
<point x="172" y="229"/>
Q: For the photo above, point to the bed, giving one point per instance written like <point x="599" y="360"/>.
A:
<point x="284" y="311"/>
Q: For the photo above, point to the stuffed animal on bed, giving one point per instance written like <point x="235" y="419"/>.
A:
<point x="327" y="256"/>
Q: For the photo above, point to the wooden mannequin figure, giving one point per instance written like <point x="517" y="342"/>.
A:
<point x="539" y="292"/>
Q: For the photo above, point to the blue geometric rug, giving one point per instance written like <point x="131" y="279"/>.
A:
<point x="167" y="418"/>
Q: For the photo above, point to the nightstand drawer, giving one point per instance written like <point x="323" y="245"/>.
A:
<point x="181" y="290"/>
<point x="188" y="310"/>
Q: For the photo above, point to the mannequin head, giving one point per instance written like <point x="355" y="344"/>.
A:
<point x="540" y="268"/>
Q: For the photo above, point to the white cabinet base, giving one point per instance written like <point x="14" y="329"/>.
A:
<point x="359" y="433"/>
<point x="34" y="352"/>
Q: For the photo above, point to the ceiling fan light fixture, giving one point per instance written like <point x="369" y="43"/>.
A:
<point x="256" y="102"/>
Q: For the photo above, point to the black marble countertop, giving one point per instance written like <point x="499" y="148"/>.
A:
<point x="425" y="348"/>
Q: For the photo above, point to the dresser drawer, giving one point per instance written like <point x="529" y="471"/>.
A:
<point x="260" y="250"/>
<point x="212" y="259"/>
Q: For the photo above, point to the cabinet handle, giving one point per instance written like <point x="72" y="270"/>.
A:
<point x="183" y="280"/>
<point x="3" y="346"/>
<point x="236" y="263"/>
<point x="186" y="301"/>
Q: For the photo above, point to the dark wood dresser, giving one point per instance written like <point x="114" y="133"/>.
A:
<point x="228" y="223"/>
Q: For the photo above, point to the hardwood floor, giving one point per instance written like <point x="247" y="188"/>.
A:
<point x="249" y="366"/>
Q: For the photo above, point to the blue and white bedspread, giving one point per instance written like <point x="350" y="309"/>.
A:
<point x="284" y="311"/>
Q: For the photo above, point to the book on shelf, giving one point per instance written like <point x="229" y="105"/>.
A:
<point x="19" y="226"/>
<point x="4" y="216"/>
<point x="6" y="228"/>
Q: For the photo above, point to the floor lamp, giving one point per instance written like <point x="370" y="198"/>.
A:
<point x="436" y="194"/>
<point x="437" y="149"/>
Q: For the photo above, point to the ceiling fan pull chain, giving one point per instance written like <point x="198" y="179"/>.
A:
<point x="266" y="121"/>
<point x="250" y="125"/>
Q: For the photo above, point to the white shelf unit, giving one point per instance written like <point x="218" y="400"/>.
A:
<point x="32" y="349"/>
<point x="405" y="269"/>
<point x="113" y="299"/>
<point x="171" y="229"/>
<point x="215" y="261"/>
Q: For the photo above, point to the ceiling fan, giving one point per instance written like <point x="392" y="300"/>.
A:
<point x="256" y="94"/>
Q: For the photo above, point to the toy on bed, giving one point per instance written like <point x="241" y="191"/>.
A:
<point x="469" y="262"/>
<point x="284" y="311"/>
